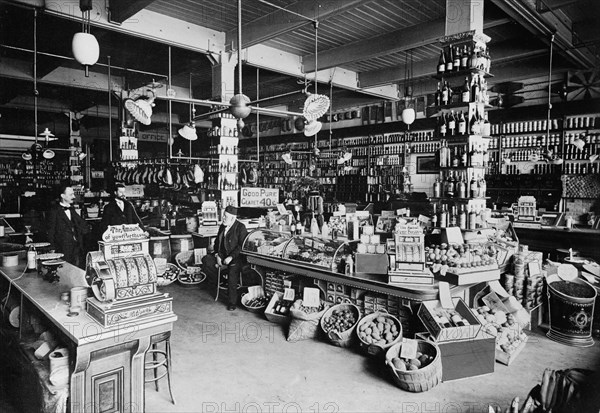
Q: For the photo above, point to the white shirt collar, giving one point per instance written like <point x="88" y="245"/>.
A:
<point x="120" y="203"/>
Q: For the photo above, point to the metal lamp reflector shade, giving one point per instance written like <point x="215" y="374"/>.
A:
<point x="312" y="128"/>
<point x="140" y="109"/>
<point x="188" y="131"/>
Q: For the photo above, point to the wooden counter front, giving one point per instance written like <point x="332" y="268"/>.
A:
<point x="547" y="240"/>
<point x="107" y="364"/>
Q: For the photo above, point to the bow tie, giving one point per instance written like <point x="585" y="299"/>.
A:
<point x="66" y="208"/>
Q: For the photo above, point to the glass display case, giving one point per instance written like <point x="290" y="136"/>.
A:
<point x="306" y="250"/>
<point x="266" y="242"/>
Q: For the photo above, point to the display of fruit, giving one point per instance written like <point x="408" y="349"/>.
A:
<point x="170" y="273"/>
<point x="340" y="321"/>
<point x="509" y="334"/>
<point x="461" y="255"/>
<point x="380" y="331"/>
<point x="257" y="302"/>
<point x="308" y="310"/>
<point x="420" y="361"/>
<point x="190" y="277"/>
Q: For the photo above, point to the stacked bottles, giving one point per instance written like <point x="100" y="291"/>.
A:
<point x="474" y="89"/>
<point x="455" y="185"/>
<point x="454" y="58"/>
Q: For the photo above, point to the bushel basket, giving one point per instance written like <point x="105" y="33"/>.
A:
<point x="343" y="338"/>
<point x="374" y="344"/>
<point x="420" y="380"/>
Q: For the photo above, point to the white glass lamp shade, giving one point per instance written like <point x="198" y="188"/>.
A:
<point x="188" y="132"/>
<point x="312" y="128"/>
<point x="48" y="154"/>
<point x="86" y="49"/>
<point x="287" y="158"/>
<point x="239" y="106"/>
<point x="140" y="109"/>
<point x="47" y="133"/>
<point x="593" y="158"/>
<point x="579" y="143"/>
<point x="408" y="115"/>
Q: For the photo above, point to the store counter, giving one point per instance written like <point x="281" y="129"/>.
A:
<point x="548" y="239"/>
<point x="324" y="259"/>
<point x="106" y="364"/>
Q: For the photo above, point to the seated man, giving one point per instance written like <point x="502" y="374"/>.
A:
<point x="227" y="253"/>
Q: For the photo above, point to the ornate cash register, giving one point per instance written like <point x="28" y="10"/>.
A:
<point x="123" y="278"/>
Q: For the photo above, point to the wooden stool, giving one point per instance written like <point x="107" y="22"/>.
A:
<point x="224" y="277"/>
<point x="160" y="358"/>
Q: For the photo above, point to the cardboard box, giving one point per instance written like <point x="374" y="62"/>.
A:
<point x="271" y="316"/>
<point x="439" y="333"/>
<point x="466" y="358"/>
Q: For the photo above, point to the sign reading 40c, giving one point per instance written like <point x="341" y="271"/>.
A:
<point x="259" y="197"/>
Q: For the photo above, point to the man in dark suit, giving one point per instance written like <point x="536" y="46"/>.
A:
<point x="227" y="253"/>
<point x="119" y="211"/>
<point x="66" y="228"/>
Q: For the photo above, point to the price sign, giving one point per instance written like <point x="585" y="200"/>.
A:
<point x="259" y="197"/>
<point x="409" y="348"/>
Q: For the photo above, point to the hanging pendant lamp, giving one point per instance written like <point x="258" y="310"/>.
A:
<point x="84" y="45"/>
<point x="408" y="113"/>
<point x="188" y="131"/>
<point x="141" y="108"/>
<point x="239" y="103"/>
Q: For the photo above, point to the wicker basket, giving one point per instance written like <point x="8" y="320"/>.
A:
<point x="245" y="299"/>
<point x="375" y="349"/>
<point x="186" y="261"/>
<point x="345" y="338"/>
<point x="162" y="280"/>
<point x="417" y="380"/>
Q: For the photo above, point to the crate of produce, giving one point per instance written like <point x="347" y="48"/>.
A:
<point x="458" y="323"/>
<point x="339" y="323"/>
<point x="419" y="374"/>
<point x="274" y="316"/>
<point x="377" y="332"/>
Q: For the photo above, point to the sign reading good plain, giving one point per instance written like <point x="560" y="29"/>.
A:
<point x="259" y="197"/>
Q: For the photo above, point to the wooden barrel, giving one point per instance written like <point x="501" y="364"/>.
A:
<point x="181" y="243"/>
<point x="160" y="247"/>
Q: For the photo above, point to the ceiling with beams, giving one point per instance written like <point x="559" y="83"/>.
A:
<point x="359" y="48"/>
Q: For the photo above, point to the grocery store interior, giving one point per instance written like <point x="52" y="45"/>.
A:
<point x="300" y="205"/>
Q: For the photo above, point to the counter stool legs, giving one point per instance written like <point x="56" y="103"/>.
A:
<point x="160" y="358"/>
<point x="219" y="279"/>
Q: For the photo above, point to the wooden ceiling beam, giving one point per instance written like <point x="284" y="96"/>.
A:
<point x="393" y="42"/>
<point x="119" y="10"/>
<point x="279" y="22"/>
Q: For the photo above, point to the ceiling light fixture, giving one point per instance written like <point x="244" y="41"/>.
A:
<point x="188" y="131"/>
<point x="408" y="113"/>
<point x="141" y="108"/>
<point x="549" y="155"/>
<point x="84" y="45"/>
<point x="315" y="105"/>
<point x="239" y="103"/>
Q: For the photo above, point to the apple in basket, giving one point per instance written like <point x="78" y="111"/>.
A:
<point x="380" y="331"/>
<point x="420" y="361"/>
<point x="340" y="321"/>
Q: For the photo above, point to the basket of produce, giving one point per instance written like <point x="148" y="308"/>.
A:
<point x="304" y="322"/>
<point x="418" y="374"/>
<point x="377" y="332"/>
<point x="339" y="322"/>
<point x="190" y="278"/>
<point x="168" y="276"/>
<point x="254" y="304"/>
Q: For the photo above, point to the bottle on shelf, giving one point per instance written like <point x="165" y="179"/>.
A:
<point x="461" y="188"/>
<point x="466" y="91"/>
<point x="464" y="58"/>
<point x="443" y="218"/>
<point x="473" y="188"/>
<point x="441" y="68"/>
<point x="450" y="60"/>
<point x="452" y="123"/>
<point x="462" y="218"/>
<point x="472" y="219"/>
<point x="437" y="188"/>
<point x="446" y="93"/>
<point x="462" y="124"/>
<point x="456" y="61"/>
